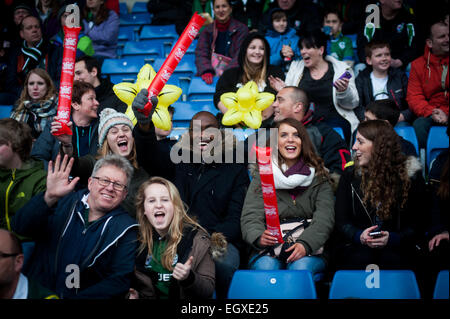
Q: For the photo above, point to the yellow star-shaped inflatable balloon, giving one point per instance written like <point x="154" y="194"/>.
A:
<point x="126" y="92"/>
<point x="246" y="105"/>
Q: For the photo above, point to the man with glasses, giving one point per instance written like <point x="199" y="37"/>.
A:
<point x="14" y="284"/>
<point x="85" y="242"/>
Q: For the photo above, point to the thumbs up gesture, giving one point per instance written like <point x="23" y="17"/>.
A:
<point x="181" y="271"/>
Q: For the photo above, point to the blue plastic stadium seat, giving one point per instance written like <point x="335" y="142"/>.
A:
<point x="135" y="19"/>
<point x="159" y="32"/>
<point x="128" y="33"/>
<point x="273" y="284"/>
<point x="441" y="286"/>
<point x="186" y="67"/>
<point x="184" y="111"/>
<point x="123" y="9"/>
<point x="436" y="143"/>
<point x="148" y="49"/>
<point x="5" y="111"/>
<point x="124" y="69"/>
<point x="200" y="91"/>
<point x="359" y="284"/>
<point x="139" y="7"/>
<point x="409" y="134"/>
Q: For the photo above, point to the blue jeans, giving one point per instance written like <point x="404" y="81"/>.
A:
<point x="315" y="264"/>
<point x="225" y="268"/>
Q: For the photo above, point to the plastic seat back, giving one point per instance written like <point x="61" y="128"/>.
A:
<point x="273" y="284"/>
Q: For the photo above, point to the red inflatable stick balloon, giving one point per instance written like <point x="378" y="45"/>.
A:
<point x="169" y="65"/>
<point x="264" y="158"/>
<point x="66" y="83"/>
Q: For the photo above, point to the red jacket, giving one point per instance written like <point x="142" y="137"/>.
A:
<point x="425" y="90"/>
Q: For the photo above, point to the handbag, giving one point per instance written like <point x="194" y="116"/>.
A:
<point x="218" y="61"/>
<point x="291" y="229"/>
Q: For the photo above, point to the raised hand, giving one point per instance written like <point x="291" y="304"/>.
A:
<point x="276" y="83"/>
<point x="58" y="183"/>
<point x="138" y="105"/>
<point x="181" y="271"/>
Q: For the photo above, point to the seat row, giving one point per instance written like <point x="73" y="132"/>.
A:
<point x="346" y="284"/>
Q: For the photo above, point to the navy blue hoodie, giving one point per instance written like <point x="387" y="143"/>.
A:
<point x="104" y="251"/>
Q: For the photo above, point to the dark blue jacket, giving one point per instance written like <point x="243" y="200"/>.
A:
<point x="104" y="251"/>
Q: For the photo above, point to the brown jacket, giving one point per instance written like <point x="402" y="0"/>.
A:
<point x="200" y="283"/>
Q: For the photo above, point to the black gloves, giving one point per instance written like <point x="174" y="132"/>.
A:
<point x="139" y="103"/>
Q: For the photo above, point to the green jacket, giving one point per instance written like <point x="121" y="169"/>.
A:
<point x="17" y="186"/>
<point x="316" y="202"/>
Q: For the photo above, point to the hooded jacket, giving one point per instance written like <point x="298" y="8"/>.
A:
<point x="397" y="86"/>
<point x="18" y="186"/>
<point x="344" y="102"/>
<point x="103" y="251"/>
<point x="277" y="40"/>
<point x="428" y="85"/>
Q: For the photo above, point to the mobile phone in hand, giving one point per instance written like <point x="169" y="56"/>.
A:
<point x="346" y="75"/>
<point x="375" y="234"/>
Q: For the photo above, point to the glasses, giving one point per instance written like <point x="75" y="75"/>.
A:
<point x="3" y="255"/>
<point x="105" y="182"/>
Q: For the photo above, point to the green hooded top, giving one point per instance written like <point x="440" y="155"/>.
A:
<point x="17" y="186"/>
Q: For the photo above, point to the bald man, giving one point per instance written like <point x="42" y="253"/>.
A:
<point x="13" y="284"/>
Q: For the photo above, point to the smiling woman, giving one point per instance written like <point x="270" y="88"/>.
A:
<point x="379" y="203"/>
<point x="114" y="137"/>
<point x="254" y="65"/>
<point x="303" y="191"/>
<point x="173" y="259"/>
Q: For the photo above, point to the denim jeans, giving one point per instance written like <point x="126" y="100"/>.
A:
<point x="315" y="264"/>
<point x="225" y="268"/>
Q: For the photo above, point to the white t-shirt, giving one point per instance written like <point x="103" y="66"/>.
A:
<point x="379" y="87"/>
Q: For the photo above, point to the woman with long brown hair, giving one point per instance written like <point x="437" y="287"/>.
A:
<point x="37" y="103"/>
<point x="254" y="65"/>
<point x="173" y="259"/>
<point x="379" y="201"/>
<point x="303" y="191"/>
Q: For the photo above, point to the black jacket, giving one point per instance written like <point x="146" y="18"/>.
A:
<point x="397" y="86"/>
<point x="352" y="219"/>
<point x="107" y="98"/>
